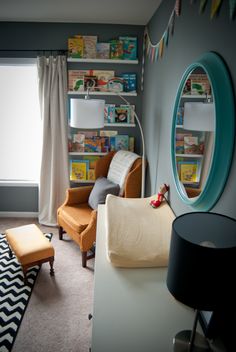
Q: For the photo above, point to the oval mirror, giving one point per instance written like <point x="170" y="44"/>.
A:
<point x="202" y="137"/>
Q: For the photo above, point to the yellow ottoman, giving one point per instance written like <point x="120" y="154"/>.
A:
<point x="30" y="246"/>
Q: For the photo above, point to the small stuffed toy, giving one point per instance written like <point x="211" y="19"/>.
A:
<point x="162" y="190"/>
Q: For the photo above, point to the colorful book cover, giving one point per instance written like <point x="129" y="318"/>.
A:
<point x="191" y="145"/>
<point x="189" y="171"/>
<point x="91" y="175"/>
<point x="180" y="116"/>
<point x="122" y="114"/>
<point x="179" y="147"/>
<point x="108" y="133"/>
<point x="129" y="47"/>
<point x="103" y="78"/>
<point x="93" y="144"/>
<point x="116" y="49"/>
<point x="122" y="142"/>
<point x="130" y="82"/>
<point x="78" y="84"/>
<point x="78" y="142"/>
<point x="131" y="144"/>
<point x="76" y="74"/>
<point x="90" y="82"/>
<point x="75" y="47"/>
<point x="180" y="136"/>
<point x="90" y="46"/>
<point x="200" y="84"/>
<point x="103" y="50"/>
<point x="116" y="84"/>
<point x="109" y="113"/>
<point x="132" y="110"/>
<point x="78" y="170"/>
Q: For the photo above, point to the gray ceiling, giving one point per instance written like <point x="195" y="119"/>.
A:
<point x="137" y="12"/>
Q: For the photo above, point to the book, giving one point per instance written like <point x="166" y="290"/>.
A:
<point x="115" y="84"/>
<point x="78" y="84"/>
<point x="180" y="116"/>
<point x="180" y="136"/>
<point x="116" y="49"/>
<point x="90" y="82"/>
<point x="108" y="133"/>
<point x="131" y="144"/>
<point x="109" y="113"/>
<point x="130" y="84"/>
<point x="119" y="142"/>
<point x="129" y="47"/>
<point x="91" y="175"/>
<point x="103" y="50"/>
<point x="75" y="47"/>
<point x="103" y="78"/>
<point x="78" y="170"/>
<point x="122" y="114"/>
<point x="74" y="75"/>
<point x="189" y="171"/>
<point x="200" y="84"/>
<point x="78" y="142"/>
<point x="93" y="144"/>
<point x="191" y="145"/>
<point x="179" y="147"/>
<point x="90" y="46"/>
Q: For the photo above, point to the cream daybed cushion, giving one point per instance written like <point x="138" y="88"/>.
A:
<point x="137" y="235"/>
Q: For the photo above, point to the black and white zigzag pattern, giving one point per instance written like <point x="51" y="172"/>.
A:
<point x="14" y="294"/>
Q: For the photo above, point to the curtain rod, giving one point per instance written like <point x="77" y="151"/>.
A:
<point x="63" y="50"/>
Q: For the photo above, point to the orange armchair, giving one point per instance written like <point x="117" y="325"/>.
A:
<point x="78" y="220"/>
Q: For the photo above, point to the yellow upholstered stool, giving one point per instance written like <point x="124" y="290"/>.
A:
<point x="30" y="246"/>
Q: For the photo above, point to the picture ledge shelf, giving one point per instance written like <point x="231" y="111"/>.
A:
<point x="131" y="94"/>
<point x="106" y="61"/>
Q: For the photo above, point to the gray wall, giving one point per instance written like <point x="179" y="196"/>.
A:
<point x="53" y="36"/>
<point x="194" y="35"/>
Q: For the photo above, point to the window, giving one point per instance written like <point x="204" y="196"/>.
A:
<point x="20" y="124"/>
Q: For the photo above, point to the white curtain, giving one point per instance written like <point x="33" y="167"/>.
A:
<point x="54" y="175"/>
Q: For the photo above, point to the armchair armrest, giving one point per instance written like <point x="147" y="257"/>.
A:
<point x="77" y="195"/>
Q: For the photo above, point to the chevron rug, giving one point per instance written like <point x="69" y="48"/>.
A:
<point x="14" y="295"/>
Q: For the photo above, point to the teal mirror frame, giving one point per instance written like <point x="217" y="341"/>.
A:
<point x="222" y="153"/>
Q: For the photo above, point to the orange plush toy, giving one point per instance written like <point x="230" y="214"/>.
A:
<point x="162" y="190"/>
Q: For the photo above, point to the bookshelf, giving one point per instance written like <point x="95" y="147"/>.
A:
<point x="94" y="64"/>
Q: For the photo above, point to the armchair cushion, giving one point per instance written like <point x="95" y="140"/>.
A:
<point x="101" y="189"/>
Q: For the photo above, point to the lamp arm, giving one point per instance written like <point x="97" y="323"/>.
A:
<point x="143" y="145"/>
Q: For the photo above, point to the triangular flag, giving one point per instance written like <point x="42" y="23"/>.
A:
<point x="215" y="5"/>
<point x="232" y="8"/>
<point x="172" y="23"/>
<point x="177" y="7"/>
<point x="161" y="47"/>
<point x="202" y="6"/>
<point x="166" y="36"/>
<point x="153" y="53"/>
<point x="156" y="52"/>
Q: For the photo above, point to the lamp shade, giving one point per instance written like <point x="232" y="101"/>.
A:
<point x="87" y="113"/>
<point x="199" y="116"/>
<point x="201" y="270"/>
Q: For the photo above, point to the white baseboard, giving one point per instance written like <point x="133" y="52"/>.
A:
<point x="18" y="214"/>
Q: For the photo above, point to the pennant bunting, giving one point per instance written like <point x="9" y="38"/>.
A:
<point x="172" y="23"/>
<point x="202" y="6"/>
<point x="156" y="53"/>
<point x="153" y="53"/>
<point x="232" y="9"/>
<point x="215" y="5"/>
<point x="177" y="7"/>
<point x="166" y="36"/>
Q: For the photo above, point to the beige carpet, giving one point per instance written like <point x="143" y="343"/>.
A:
<point x="56" y="318"/>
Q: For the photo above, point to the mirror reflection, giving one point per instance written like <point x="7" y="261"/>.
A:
<point x="194" y="133"/>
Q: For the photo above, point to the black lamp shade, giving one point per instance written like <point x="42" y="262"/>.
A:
<point x="202" y="260"/>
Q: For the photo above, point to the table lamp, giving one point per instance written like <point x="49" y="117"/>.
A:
<point x="201" y="268"/>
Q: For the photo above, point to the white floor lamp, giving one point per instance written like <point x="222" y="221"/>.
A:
<point x="89" y="114"/>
